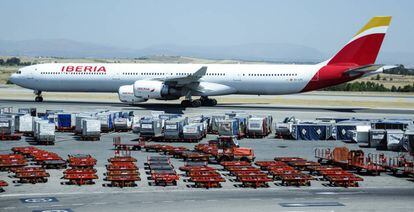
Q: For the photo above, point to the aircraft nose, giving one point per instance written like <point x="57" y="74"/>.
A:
<point x="12" y="78"/>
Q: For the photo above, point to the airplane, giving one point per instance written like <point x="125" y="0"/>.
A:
<point x="136" y="83"/>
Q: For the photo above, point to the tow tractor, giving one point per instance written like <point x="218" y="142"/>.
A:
<point x="226" y="148"/>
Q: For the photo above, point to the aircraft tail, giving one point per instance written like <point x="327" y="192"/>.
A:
<point x="364" y="46"/>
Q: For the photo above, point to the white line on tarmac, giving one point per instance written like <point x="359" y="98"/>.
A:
<point x="78" y="204"/>
<point x="33" y="206"/>
<point x="9" y="208"/>
<point x="56" y="205"/>
<point x="99" y="203"/>
<point x="167" y="201"/>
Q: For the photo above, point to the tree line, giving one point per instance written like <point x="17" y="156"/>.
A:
<point x="369" y="86"/>
<point x="13" y="61"/>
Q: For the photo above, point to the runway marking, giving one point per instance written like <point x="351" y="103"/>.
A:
<point x="33" y="206"/>
<point x="9" y="208"/>
<point x="78" y="204"/>
<point x="167" y="201"/>
<point x="311" y="204"/>
<point x="56" y="205"/>
<point x="147" y="202"/>
<point x="253" y="199"/>
<point x="189" y="200"/>
<point x="99" y="203"/>
<point x="211" y="200"/>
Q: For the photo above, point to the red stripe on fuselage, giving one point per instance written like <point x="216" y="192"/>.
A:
<point x="330" y="75"/>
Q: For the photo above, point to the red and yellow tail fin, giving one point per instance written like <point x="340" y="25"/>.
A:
<point x="364" y="46"/>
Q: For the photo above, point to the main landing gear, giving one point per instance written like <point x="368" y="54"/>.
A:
<point x="38" y="97"/>
<point x="203" y="101"/>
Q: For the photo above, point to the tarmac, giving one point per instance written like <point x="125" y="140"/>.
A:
<point x="376" y="193"/>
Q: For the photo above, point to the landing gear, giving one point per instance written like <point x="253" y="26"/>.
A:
<point x="193" y="103"/>
<point x="38" y="97"/>
<point x="203" y="101"/>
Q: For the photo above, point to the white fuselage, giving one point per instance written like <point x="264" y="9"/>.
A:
<point x="243" y="78"/>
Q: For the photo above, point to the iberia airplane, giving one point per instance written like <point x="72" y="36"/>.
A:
<point x="137" y="83"/>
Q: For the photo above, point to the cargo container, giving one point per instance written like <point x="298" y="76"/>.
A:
<point x="331" y="119"/>
<point x="5" y="110"/>
<point x="395" y="140"/>
<point x="79" y="122"/>
<point x="64" y="120"/>
<point x="360" y="135"/>
<point x="24" y="123"/>
<point x="214" y="123"/>
<point x="6" y="126"/>
<point x="45" y="132"/>
<point x="242" y="122"/>
<point x="91" y="129"/>
<point x="409" y="139"/>
<point x="135" y="124"/>
<point x="388" y="124"/>
<point x="121" y="124"/>
<point x="193" y="131"/>
<point x="257" y="127"/>
<point x="378" y="138"/>
<point x="30" y="111"/>
<point x="150" y="127"/>
<point x="106" y="121"/>
<point x="173" y="129"/>
<point x="284" y="129"/>
<point x="200" y="119"/>
<point x="340" y="131"/>
<point x="311" y="131"/>
<point x="228" y="127"/>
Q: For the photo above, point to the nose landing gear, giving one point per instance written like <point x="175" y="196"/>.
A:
<point x="38" y="97"/>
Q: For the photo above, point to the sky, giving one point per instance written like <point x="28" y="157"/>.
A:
<point x="321" y="24"/>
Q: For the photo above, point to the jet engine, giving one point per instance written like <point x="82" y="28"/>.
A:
<point x="149" y="89"/>
<point x="126" y="94"/>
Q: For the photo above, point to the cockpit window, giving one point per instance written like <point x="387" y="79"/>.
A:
<point x="18" y="72"/>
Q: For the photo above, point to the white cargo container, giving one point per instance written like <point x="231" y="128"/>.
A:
<point x="395" y="139"/>
<point x="257" y="127"/>
<point x="78" y="124"/>
<point x="121" y="124"/>
<point x="45" y="132"/>
<point x="360" y="135"/>
<point x="135" y="124"/>
<point x="193" y="131"/>
<point x="24" y="123"/>
<point x="6" y="126"/>
<point x="91" y="128"/>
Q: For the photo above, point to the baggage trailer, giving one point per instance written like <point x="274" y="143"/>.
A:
<point x="2" y="185"/>
<point x="31" y="175"/>
<point x="9" y="161"/>
<point x="118" y="145"/>
<point x="257" y="127"/>
<point x="190" y="165"/>
<point x="208" y="182"/>
<point x="81" y="161"/>
<point x="80" y="179"/>
<point x="267" y="165"/>
<point x="10" y="137"/>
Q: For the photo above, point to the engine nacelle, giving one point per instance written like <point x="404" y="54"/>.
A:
<point x="148" y="89"/>
<point x="126" y="94"/>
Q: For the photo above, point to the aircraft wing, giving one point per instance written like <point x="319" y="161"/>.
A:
<point x="181" y="81"/>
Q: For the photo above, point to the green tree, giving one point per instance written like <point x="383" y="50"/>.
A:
<point x="13" y="61"/>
